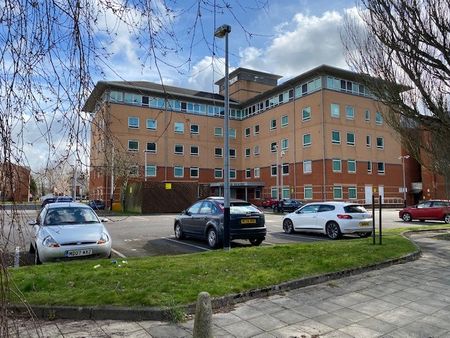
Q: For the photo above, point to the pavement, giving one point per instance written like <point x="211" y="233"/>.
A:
<point x="403" y="300"/>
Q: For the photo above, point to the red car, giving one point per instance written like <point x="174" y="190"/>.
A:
<point x="269" y="203"/>
<point x="427" y="210"/>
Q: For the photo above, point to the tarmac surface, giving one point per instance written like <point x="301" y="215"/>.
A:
<point x="404" y="300"/>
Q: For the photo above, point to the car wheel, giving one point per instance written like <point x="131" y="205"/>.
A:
<point x="178" y="231"/>
<point x="421" y="220"/>
<point x="288" y="226"/>
<point x="333" y="231"/>
<point x="37" y="260"/>
<point x="213" y="240"/>
<point x="256" y="241"/>
<point x="447" y="219"/>
<point x="364" y="234"/>
<point x="407" y="217"/>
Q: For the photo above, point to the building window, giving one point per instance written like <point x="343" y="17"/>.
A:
<point x="232" y="174"/>
<point x="335" y="137"/>
<point x="335" y="112"/>
<point x="256" y="129"/>
<point x="273" y="124"/>
<point x="134" y="170"/>
<point x="248" y="173"/>
<point x="306" y="114"/>
<point x="308" y="192"/>
<point x="367" y="115"/>
<point x="247" y="132"/>
<point x="285" y="169"/>
<point x="194" y="150"/>
<point x="218" y="152"/>
<point x="218" y="173"/>
<point x="232" y="152"/>
<point x="232" y="133"/>
<point x="273" y="170"/>
<point x="178" y="171"/>
<point x="150" y="171"/>
<point x="194" y="172"/>
<point x="195" y="129"/>
<point x="378" y="118"/>
<point x="349" y="113"/>
<point x="133" y="145"/>
<point x="179" y="149"/>
<point x="307" y="167"/>
<point x="380" y="168"/>
<point x="133" y="122"/>
<point x="352" y="193"/>
<point x="337" y="165"/>
<point x="273" y="147"/>
<point x="368" y="141"/>
<point x="337" y="192"/>
<point x="247" y="152"/>
<point x="256" y="172"/>
<point x="178" y="127"/>
<point x="285" y="192"/>
<point x="351" y="139"/>
<point x="218" y="131"/>
<point x="306" y="140"/>
<point x="369" y="167"/>
<point x="284" y="144"/>
<point x="351" y="166"/>
<point x="274" y="192"/>
<point x="256" y="151"/>
<point x="257" y="193"/>
<point x="284" y="121"/>
<point x="152" y="124"/>
<point x="380" y="143"/>
<point x="151" y="147"/>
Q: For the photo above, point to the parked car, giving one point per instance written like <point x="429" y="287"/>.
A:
<point x="269" y="203"/>
<point x="288" y="204"/>
<point x="97" y="204"/>
<point x="64" y="231"/>
<point x="54" y="199"/>
<point x="330" y="218"/>
<point x="204" y="220"/>
<point x="427" y="210"/>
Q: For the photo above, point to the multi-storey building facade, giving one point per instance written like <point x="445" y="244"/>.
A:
<point x="318" y="136"/>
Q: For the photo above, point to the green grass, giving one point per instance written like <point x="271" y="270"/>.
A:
<point x="176" y="280"/>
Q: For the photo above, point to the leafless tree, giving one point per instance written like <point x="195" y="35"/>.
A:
<point x="51" y="51"/>
<point x="406" y="45"/>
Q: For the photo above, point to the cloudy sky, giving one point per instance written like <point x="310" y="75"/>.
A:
<point x="284" y="37"/>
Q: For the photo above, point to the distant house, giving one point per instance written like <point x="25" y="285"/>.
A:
<point x="14" y="182"/>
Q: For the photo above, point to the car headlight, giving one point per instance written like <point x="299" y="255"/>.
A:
<point x="103" y="239"/>
<point x="50" y="242"/>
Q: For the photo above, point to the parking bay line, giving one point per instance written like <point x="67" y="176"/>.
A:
<point x="300" y="237"/>
<point x="188" y="244"/>
<point x="118" y="253"/>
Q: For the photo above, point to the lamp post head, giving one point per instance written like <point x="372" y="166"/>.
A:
<point x="222" y="31"/>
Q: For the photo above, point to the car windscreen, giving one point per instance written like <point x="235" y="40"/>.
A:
<point x="63" y="216"/>
<point x="242" y="208"/>
<point x="355" y="209"/>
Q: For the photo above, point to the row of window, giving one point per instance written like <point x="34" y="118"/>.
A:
<point x="338" y="192"/>
<point x="307" y="169"/>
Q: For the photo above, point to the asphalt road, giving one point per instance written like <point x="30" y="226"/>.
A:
<point x="152" y="235"/>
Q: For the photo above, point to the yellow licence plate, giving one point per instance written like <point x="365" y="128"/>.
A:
<point x="248" y="221"/>
<point x="364" y="224"/>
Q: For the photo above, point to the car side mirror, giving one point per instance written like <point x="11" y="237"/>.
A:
<point x="187" y="213"/>
<point x="104" y="220"/>
<point x="34" y="222"/>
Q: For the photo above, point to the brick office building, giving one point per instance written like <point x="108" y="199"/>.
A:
<point x="323" y="128"/>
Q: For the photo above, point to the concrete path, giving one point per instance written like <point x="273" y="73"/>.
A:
<point x="406" y="300"/>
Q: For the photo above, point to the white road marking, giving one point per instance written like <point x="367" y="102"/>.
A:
<point x="118" y="253"/>
<point x="188" y="244"/>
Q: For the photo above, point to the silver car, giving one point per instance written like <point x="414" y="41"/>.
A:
<point x="65" y="231"/>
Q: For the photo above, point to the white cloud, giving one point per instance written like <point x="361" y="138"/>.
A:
<point x="206" y="72"/>
<point x="302" y="44"/>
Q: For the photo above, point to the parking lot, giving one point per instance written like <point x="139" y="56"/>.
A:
<point x="152" y="235"/>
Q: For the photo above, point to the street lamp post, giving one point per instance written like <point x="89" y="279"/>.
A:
<point x="282" y="153"/>
<point x="222" y="32"/>
<point x="403" y="158"/>
<point x="145" y="165"/>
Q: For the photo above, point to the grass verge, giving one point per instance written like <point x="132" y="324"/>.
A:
<point x="176" y="280"/>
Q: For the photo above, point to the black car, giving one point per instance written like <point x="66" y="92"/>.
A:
<point x="204" y="220"/>
<point x="56" y="199"/>
<point x="97" y="204"/>
<point x="288" y="205"/>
